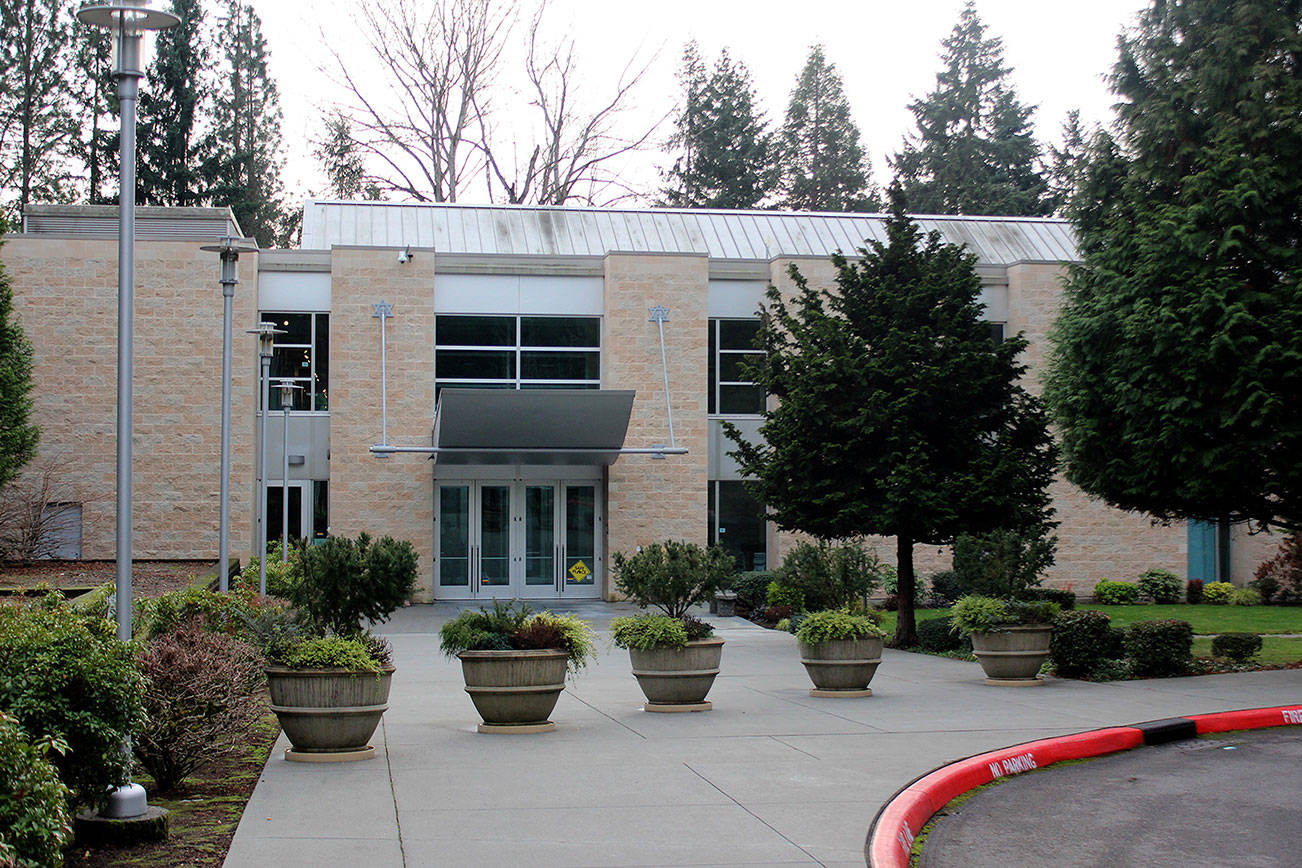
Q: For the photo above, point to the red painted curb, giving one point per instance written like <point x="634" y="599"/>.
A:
<point x="890" y="839"/>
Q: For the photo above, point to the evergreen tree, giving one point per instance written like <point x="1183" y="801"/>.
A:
<point x="726" y="158"/>
<point x="36" y="120"/>
<point x="171" y="147"/>
<point x="897" y="415"/>
<point x="341" y="159"/>
<point x="823" y="166"/>
<point x="1065" y="163"/>
<point x="95" y="97"/>
<point x="243" y="166"/>
<point x="974" y="153"/>
<point x="1177" y="360"/>
<point x="18" y="436"/>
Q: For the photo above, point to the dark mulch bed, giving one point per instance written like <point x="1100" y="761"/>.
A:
<point x="203" y="812"/>
<point x="148" y="578"/>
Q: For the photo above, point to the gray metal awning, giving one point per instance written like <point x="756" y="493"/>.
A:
<point x="542" y="426"/>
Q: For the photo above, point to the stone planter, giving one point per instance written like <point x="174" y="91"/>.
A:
<point x="842" y="667"/>
<point x="328" y="715"/>
<point x="1013" y="657"/>
<point x="677" y="679"/>
<point x="724" y="604"/>
<point x="514" y="691"/>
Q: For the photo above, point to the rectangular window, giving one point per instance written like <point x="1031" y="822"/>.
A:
<point x="732" y="354"/>
<point x="996" y="331"/>
<point x="517" y="352"/>
<point x="301" y="356"/>
<point x="738" y="523"/>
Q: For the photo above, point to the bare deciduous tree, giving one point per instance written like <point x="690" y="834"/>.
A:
<point x="34" y="509"/>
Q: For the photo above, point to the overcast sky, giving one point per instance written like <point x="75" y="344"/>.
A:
<point x="887" y="54"/>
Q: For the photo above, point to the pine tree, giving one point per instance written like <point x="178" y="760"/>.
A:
<point x="243" y="167"/>
<point x="974" y="153"/>
<point x="339" y="156"/>
<point x="897" y="415"/>
<point x="95" y="97"/>
<point x="18" y="436"/>
<point x="171" y="106"/>
<point x="1065" y="164"/>
<point x="726" y="158"/>
<point x="1177" y="364"/>
<point x="823" y="166"/>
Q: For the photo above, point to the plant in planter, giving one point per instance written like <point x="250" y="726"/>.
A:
<point x="675" y="663"/>
<point x="514" y="662"/>
<point x="1010" y="638"/>
<point x="840" y="652"/>
<point x="328" y="677"/>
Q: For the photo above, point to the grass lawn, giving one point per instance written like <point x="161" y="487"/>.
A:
<point x="1205" y="619"/>
<point x="888" y="618"/>
<point x="1274" y="649"/>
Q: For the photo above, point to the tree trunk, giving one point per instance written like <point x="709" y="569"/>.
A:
<point x="906" y="626"/>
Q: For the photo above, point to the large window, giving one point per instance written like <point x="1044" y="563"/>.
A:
<point x="732" y="350"/>
<point x="301" y="355"/>
<point x="517" y="352"/>
<point x="738" y="523"/>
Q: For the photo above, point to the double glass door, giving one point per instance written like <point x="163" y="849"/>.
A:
<point x="517" y="539"/>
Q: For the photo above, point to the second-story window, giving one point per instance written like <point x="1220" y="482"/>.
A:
<point x="517" y="352"/>
<point x="301" y="355"/>
<point x="732" y="350"/>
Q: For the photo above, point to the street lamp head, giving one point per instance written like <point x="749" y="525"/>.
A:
<point x="287" y="389"/>
<point x="127" y="20"/>
<point x="230" y="249"/>
<point x="266" y="332"/>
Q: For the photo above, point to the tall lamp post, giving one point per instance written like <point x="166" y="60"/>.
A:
<point x="127" y="22"/>
<point x="266" y="333"/>
<point x="287" y="390"/>
<point x="230" y="250"/>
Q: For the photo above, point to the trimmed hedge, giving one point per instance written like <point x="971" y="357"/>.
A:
<point x="1162" y="586"/>
<point x="1193" y="592"/>
<point x="1162" y="647"/>
<point x="752" y="589"/>
<point x="937" y="635"/>
<point x="1236" y="647"/>
<point x="1081" y="641"/>
<point x="1065" y="599"/>
<point x="1111" y="593"/>
<point x="1217" y="593"/>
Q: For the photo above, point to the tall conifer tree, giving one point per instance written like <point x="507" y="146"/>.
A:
<point x="171" y="107"/>
<point x="824" y="168"/>
<point x="95" y="96"/>
<point x="974" y="153"/>
<point x="18" y="436"/>
<point x="726" y="153"/>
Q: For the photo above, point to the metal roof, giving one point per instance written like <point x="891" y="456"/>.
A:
<point x="745" y="235"/>
<point x="153" y="223"/>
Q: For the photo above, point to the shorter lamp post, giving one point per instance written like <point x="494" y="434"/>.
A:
<point x="266" y="333"/>
<point x="230" y="251"/>
<point x="287" y="390"/>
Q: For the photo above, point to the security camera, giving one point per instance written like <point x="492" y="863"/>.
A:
<point x="404" y="255"/>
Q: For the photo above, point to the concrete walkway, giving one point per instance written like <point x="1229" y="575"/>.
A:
<point x="771" y="776"/>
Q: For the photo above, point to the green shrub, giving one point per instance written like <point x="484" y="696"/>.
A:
<point x="35" y="824"/>
<point x="1080" y="643"/>
<point x="202" y="698"/>
<point x="829" y="576"/>
<point x="943" y="589"/>
<point x="977" y="614"/>
<point x="834" y="624"/>
<point x="1236" y="647"/>
<point x="1110" y="593"/>
<point x="937" y="635"/>
<point x="891" y="585"/>
<point x="1245" y="597"/>
<point x="1193" y="592"/>
<point x="282" y="576"/>
<point x="1161" y="648"/>
<point x="1161" y="586"/>
<point x="330" y="652"/>
<point x="647" y="631"/>
<point x="514" y="626"/>
<point x="345" y="581"/>
<point x="227" y="613"/>
<point x="1280" y="578"/>
<point x="779" y="594"/>
<point x="1217" y="593"/>
<point x="784" y="625"/>
<point x="1002" y="563"/>
<point x="752" y="589"/>
<point x="672" y="576"/>
<point x="66" y="676"/>
<point x="1065" y="599"/>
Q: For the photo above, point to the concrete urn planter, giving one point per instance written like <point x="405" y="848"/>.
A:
<point x="677" y="679"/>
<point x="328" y="715"/>
<point x="1012" y="657"/>
<point x="842" y="667"/>
<point x="514" y="691"/>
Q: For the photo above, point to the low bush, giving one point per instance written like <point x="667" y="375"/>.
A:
<point x="978" y="614"/>
<point x="35" y="824"/>
<point x="774" y="614"/>
<point x="648" y="631"/>
<point x="891" y="585"/>
<point x="752" y="589"/>
<point x="514" y="626"/>
<point x="937" y="635"/>
<point x="1163" y="647"/>
<point x="282" y="575"/>
<point x="1065" y="599"/>
<point x="1193" y="592"/>
<point x="1002" y="563"/>
<point x="785" y="596"/>
<point x="1280" y="578"/>
<point x="827" y="575"/>
<point x="1110" y="593"/>
<point x="66" y="676"/>
<point x="943" y="589"/>
<point x="830" y="625"/>
<point x="1245" y="597"/>
<point x="202" y="694"/>
<point x="1080" y="643"/>
<point x="672" y="576"/>
<point x="1236" y="647"/>
<point x="1161" y="586"/>
<point x="330" y="652"/>
<point x="344" y="581"/>
<point x="220" y="613"/>
<point x="1217" y="593"/>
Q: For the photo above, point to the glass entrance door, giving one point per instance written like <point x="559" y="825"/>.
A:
<point x="520" y="539"/>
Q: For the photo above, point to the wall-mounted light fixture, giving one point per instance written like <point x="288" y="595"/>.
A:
<point x="405" y="255"/>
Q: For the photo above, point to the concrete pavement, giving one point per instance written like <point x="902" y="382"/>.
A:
<point x="771" y="776"/>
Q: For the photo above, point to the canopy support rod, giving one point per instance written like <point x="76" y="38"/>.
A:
<point x="384" y="449"/>
<point x="659" y="316"/>
<point x="383" y="311"/>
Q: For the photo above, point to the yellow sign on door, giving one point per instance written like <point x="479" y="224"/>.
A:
<point x="579" y="573"/>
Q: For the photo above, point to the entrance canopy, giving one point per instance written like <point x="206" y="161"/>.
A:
<point x="531" y="426"/>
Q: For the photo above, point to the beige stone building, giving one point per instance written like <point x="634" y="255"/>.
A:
<point x="487" y="382"/>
